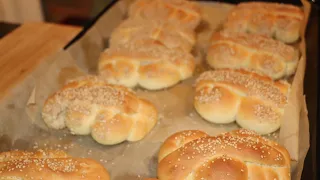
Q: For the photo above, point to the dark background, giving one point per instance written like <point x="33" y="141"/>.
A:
<point x="79" y="12"/>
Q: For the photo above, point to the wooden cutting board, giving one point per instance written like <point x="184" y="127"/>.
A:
<point x="24" y="48"/>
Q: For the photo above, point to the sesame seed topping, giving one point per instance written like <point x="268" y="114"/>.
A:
<point x="266" y="18"/>
<point x="155" y="51"/>
<point x="213" y="95"/>
<point x="248" y="83"/>
<point x="174" y="11"/>
<point x="225" y="147"/>
<point x="38" y="161"/>
<point x="133" y="30"/>
<point x="79" y="96"/>
<point x="266" y="113"/>
<point x="259" y="43"/>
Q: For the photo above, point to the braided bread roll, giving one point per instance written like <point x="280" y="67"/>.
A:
<point x="240" y="154"/>
<point x="254" y="53"/>
<point x="110" y="113"/>
<point x="169" y="35"/>
<point x="48" y="165"/>
<point x="148" y="64"/>
<point x="281" y="21"/>
<point x="178" y="12"/>
<point x="255" y="102"/>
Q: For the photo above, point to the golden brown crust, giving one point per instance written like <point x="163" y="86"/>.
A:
<point x="254" y="53"/>
<point x="281" y="21"/>
<point x="177" y="140"/>
<point x="255" y="102"/>
<point x="110" y="113"/>
<point x="240" y="154"/>
<point x="15" y="155"/>
<point x="49" y="165"/>
<point x="179" y="12"/>
<point x="243" y="133"/>
<point x="146" y="63"/>
<point x="169" y="35"/>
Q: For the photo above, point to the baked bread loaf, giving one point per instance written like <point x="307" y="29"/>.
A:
<point x="178" y="12"/>
<point x="48" y="165"/>
<point x="110" y="113"/>
<point x="239" y="154"/>
<point x="253" y="53"/>
<point x="170" y="35"/>
<point x="281" y="21"/>
<point x="255" y="102"/>
<point x="148" y="64"/>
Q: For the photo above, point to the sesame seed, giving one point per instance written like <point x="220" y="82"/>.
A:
<point x="209" y="149"/>
<point x="157" y="53"/>
<point x="266" y="113"/>
<point x="259" y="43"/>
<point x="206" y="96"/>
<point x="151" y="29"/>
<point x="174" y="12"/>
<point x="91" y="90"/>
<point x="267" y="18"/>
<point x="254" y="86"/>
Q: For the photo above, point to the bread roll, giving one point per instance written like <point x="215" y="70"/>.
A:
<point x="148" y="64"/>
<point x="240" y="154"/>
<point x="48" y="165"/>
<point x="255" y="102"/>
<point x="178" y="12"/>
<point x="281" y="21"/>
<point x="170" y="35"/>
<point x="110" y="113"/>
<point x="254" y="53"/>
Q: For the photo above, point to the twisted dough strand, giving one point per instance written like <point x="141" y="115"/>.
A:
<point x="254" y="53"/>
<point x="170" y="35"/>
<point x="179" y="12"/>
<point x="255" y="102"/>
<point x="239" y="154"/>
<point x="281" y="21"/>
<point x="146" y="63"/>
<point x="49" y="165"/>
<point x="110" y="113"/>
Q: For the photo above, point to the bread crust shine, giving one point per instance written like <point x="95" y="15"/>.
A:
<point x="253" y="53"/>
<point x="282" y="21"/>
<point x="179" y="12"/>
<point x="146" y="63"/>
<point x="240" y="154"/>
<point x="170" y="35"/>
<point x="49" y="165"/>
<point x="255" y="102"/>
<point x="110" y="113"/>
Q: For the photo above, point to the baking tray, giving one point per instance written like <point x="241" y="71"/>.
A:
<point x="310" y="83"/>
<point x="89" y="28"/>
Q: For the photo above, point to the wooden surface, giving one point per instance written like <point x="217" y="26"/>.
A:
<point x="24" y="48"/>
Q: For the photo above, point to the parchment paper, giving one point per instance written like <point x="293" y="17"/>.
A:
<point x="21" y="126"/>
